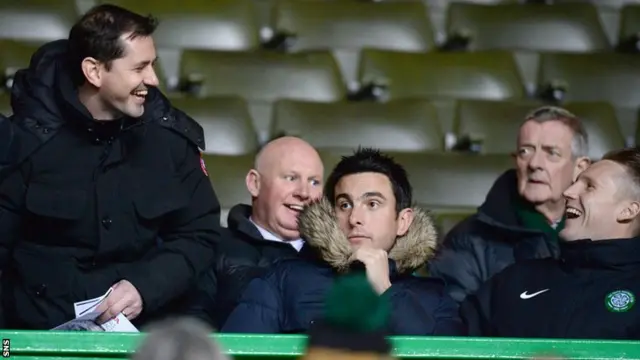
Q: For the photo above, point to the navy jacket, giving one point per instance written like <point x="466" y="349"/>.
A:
<point x="290" y="297"/>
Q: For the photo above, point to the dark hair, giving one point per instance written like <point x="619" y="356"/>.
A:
<point x="97" y="35"/>
<point x="371" y="160"/>
<point x="629" y="158"/>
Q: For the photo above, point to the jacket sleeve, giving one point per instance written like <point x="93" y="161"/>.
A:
<point x="475" y="310"/>
<point x="457" y="263"/>
<point x="420" y="311"/>
<point x="12" y="199"/>
<point x="202" y="301"/>
<point x="189" y="237"/>
<point x="259" y="309"/>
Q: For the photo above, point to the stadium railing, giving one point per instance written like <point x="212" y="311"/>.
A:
<point x="50" y="345"/>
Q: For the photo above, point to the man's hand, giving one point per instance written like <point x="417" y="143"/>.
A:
<point x="125" y="299"/>
<point x="377" y="264"/>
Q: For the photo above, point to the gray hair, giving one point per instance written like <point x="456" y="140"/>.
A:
<point x="179" y="339"/>
<point x="580" y="141"/>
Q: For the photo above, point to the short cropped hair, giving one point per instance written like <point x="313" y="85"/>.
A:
<point x="98" y="35"/>
<point x="580" y="141"/>
<point x="372" y="160"/>
<point x="179" y="339"/>
<point x="629" y="158"/>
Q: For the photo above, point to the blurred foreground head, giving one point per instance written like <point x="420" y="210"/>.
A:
<point x="354" y="325"/>
<point x="179" y="339"/>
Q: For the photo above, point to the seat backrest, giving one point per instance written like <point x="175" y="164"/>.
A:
<point x="201" y="24"/>
<point x="37" y="20"/>
<point x="496" y="124"/>
<point x="571" y="27"/>
<point x="629" y="21"/>
<point x="485" y="75"/>
<point x="402" y="125"/>
<point x="15" y="55"/>
<point x="611" y="77"/>
<point x="227" y="174"/>
<point x="349" y="24"/>
<point x="226" y="122"/>
<point x="452" y="180"/>
<point x="265" y="76"/>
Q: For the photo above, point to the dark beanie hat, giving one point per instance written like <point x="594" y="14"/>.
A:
<point x="355" y="319"/>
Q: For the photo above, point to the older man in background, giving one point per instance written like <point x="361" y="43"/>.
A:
<point x="524" y="210"/>
<point x="287" y="174"/>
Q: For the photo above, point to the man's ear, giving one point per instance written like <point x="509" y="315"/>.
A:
<point x="405" y="218"/>
<point x="582" y="163"/>
<point x="629" y="213"/>
<point x="253" y="182"/>
<point x="92" y="70"/>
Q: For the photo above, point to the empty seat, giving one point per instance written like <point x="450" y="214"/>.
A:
<point x="610" y="77"/>
<point x="14" y="55"/>
<point x="319" y="24"/>
<point x="482" y="75"/>
<point x="227" y="175"/>
<point x="36" y="20"/>
<point x="226" y="122"/>
<point x="450" y="182"/>
<point x="572" y="27"/>
<point x="495" y="125"/>
<point x="402" y="125"/>
<point x="629" y="22"/>
<point x="201" y="24"/>
<point x="5" y="104"/>
<point x="264" y="75"/>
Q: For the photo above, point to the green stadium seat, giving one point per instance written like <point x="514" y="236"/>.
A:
<point x="36" y="20"/>
<point x="347" y="24"/>
<point x="264" y="76"/>
<point x="226" y="121"/>
<point x="14" y="55"/>
<point x="571" y="27"/>
<point x="490" y="75"/>
<point x="5" y="104"/>
<point x="227" y="174"/>
<point x="629" y="22"/>
<point x="610" y="77"/>
<point x="402" y="125"/>
<point x="496" y="124"/>
<point x="452" y="182"/>
<point x="201" y="24"/>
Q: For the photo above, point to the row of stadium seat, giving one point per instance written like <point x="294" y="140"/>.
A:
<point x="301" y="25"/>
<point x="413" y="125"/>
<point x="263" y="77"/>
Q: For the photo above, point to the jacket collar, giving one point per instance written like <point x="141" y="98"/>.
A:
<point x="319" y="228"/>
<point x="611" y="254"/>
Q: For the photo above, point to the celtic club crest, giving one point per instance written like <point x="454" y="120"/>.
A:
<point x="620" y="301"/>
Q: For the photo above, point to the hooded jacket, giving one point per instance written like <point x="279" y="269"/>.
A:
<point x="291" y="296"/>
<point x="591" y="292"/>
<point x="242" y="256"/>
<point x="88" y="201"/>
<point x="487" y="242"/>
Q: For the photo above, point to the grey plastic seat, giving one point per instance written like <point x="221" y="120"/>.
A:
<point x="36" y="20"/>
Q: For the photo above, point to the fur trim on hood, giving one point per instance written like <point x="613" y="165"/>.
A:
<point x="319" y="227"/>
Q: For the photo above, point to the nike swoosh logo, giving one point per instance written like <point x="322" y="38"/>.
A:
<point x="526" y="296"/>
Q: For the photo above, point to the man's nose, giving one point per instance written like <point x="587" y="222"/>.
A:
<point x="571" y="192"/>
<point x="355" y="217"/>
<point x="302" y="191"/>
<point x="536" y="161"/>
<point x="151" y="78"/>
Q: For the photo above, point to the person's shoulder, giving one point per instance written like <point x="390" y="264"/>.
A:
<point x="524" y="269"/>
<point x="184" y="128"/>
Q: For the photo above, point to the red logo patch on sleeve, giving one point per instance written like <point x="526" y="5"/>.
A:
<point x="203" y="166"/>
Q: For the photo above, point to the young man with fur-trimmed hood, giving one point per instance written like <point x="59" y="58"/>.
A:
<point x="364" y="223"/>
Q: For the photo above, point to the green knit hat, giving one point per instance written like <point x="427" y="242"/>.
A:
<point x="355" y="318"/>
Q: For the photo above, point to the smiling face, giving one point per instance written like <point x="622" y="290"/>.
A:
<point x="600" y="204"/>
<point x="123" y="85"/>
<point x="288" y="176"/>
<point x="366" y="209"/>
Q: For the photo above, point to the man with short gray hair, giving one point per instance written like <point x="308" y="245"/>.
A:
<point x="524" y="210"/>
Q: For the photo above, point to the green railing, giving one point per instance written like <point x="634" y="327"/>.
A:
<point x="49" y="345"/>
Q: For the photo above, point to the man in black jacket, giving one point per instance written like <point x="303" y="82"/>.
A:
<point x="365" y="223"/>
<point x="110" y="166"/>
<point x="288" y="174"/>
<point x="523" y="211"/>
<point x="591" y="291"/>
